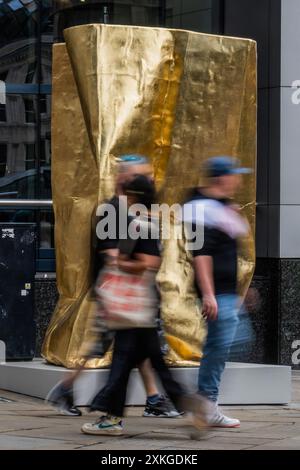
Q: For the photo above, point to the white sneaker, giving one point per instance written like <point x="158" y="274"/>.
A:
<point x="105" y="425"/>
<point x="217" y="419"/>
<point x="213" y="416"/>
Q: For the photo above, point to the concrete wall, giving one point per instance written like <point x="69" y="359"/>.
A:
<point x="290" y="131"/>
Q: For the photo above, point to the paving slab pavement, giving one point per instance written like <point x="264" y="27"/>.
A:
<point x="28" y="423"/>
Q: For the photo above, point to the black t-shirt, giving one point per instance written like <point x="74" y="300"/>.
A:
<point x="221" y="247"/>
<point x="149" y="246"/>
<point x="110" y="242"/>
<point x="129" y="246"/>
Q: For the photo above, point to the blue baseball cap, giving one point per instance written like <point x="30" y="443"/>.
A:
<point x="133" y="159"/>
<point x="224" y="165"/>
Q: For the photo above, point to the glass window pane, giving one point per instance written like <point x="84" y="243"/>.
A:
<point x="195" y="15"/>
<point x="3" y="159"/>
<point x="134" y="12"/>
<point x="2" y="112"/>
<point x="45" y="147"/>
<point x="15" y="5"/>
<point x="18" y="147"/>
<point x="18" y="39"/>
<point x="32" y="70"/>
<point x="30" y="109"/>
<point x="17" y="215"/>
<point x="30" y="156"/>
<point x="46" y="40"/>
<point x="46" y="234"/>
<point x="43" y="218"/>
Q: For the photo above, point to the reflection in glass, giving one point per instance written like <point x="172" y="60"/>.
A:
<point x="18" y="147"/>
<point x="2" y="112"/>
<point x="31" y="76"/>
<point x="18" y="35"/>
<point x="30" y="156"/>
<point x="17" y="215"/>
<point x="26" y="58"/>
<point x="30" y="109"/>
<point x="43" y="218"/>
<point x="45" y="147"/>
<point x="3" y="159"/>
<point x="195" y="15"/>
<point x="46" y="235"/>
<point x="131" y="12"/>
<point x="46" y="40"/>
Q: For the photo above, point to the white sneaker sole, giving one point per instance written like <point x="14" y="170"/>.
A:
<point x="150" y="415"/>
<point x="230" y="426"/>
<point x="102" y="432"/>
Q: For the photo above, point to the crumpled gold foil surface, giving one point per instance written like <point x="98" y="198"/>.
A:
<point x="178" y="97"/>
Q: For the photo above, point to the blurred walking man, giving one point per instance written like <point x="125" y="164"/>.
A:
<point x="215" y="267"/>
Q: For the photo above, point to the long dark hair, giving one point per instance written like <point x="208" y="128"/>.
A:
<point x="142" y="189"/>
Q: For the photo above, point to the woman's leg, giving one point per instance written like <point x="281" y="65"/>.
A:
<point x="150" y="345"/>
<point x="111" y="399"/>
<point x="148" y="377"/>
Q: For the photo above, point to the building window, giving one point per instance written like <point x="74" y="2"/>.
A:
<point x="3" y="159"/>
<point x="30" y="157"/>
<point x="2" y="112"/>
<point x="31" y="73"/>
<point x="196" y="15"/>
<point x="3" y="75"/>
<point x="43" y="104"/>
<point x="30" y="113"/>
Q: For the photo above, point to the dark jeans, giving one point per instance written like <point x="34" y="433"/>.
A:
<point x="130" y="349"/>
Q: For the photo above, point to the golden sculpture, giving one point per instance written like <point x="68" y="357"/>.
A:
<point x="178" y="97"/>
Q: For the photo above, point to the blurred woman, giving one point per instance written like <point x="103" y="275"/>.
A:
<point x="132" y="345"/>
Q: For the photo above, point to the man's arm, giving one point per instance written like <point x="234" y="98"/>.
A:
<point x="204" y="278"/>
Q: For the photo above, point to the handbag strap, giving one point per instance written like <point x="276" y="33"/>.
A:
<point x="127" y="246"/>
